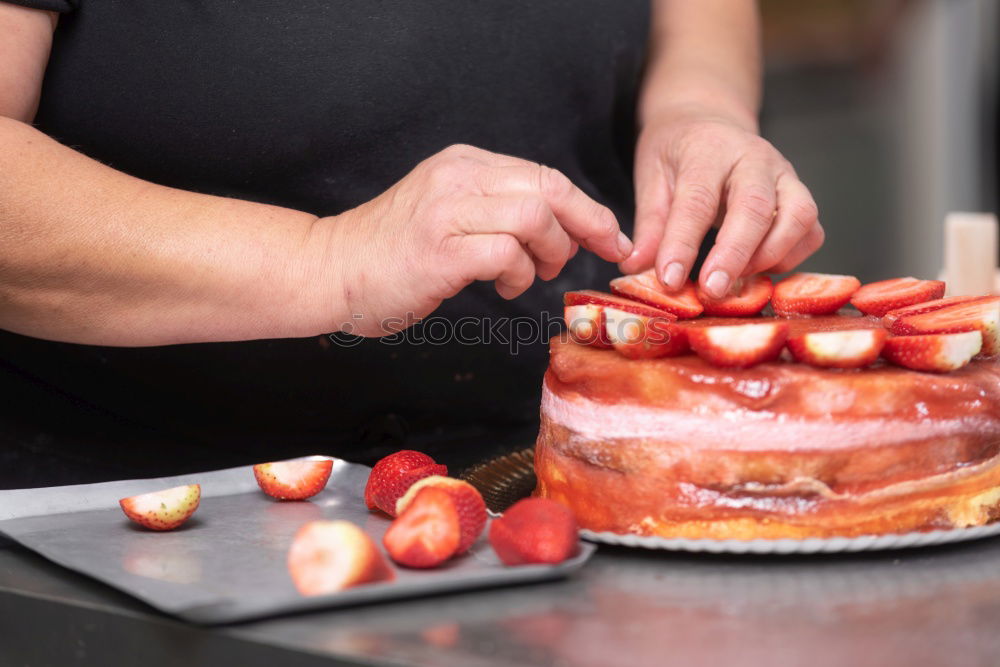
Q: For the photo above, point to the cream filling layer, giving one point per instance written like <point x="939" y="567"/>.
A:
<point x="747" y="430"/>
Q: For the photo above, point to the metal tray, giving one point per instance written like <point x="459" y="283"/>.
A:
<point x="227" y="563"/>
<point x="506" y="479"/>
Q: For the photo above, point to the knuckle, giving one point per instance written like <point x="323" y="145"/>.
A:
<point x="552" y="182"/>
<point x="505" y="250"/>
<point x="698" y="201"/>
<point x="457" y="150"/>
<point x="803" y="215"/>
<point x="757" y="204"/>
<point x="819" y="236"/>
<point x="532" y="214"/>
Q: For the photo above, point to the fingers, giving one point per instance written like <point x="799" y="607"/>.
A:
<point x="588" y="223"/>
<point x="750" y="210"/>
<point x="693" y="208"/>
<point x="651" y="204"/>
<point x="797" y="217"/>
<point x="527" y="218"/>
<point x="497" y="257"/>
<point x="806" y="246"/>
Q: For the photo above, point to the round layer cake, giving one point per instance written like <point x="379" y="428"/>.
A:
<point x="675" y="447"/>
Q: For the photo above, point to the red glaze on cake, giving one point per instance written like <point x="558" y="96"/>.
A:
<point x="676" y="447"/>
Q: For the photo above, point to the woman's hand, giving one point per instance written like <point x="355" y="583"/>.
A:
<point x="694" y="168"/>
<point x="462" y="215"/>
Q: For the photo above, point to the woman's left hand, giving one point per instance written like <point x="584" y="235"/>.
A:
<point x="693" y="169"/>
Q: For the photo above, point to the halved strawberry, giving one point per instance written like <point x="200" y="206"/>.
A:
<point x="739" y="345"/>
<point x="748" y="296"/>
<point x="928" y="306"/>
<point x="534" y="530"/>
<point x="879" y="298"/>
<point x="640" y="337"/>
<point x="329" y="556"/>
<point x="939" y="353"/>
<point x="645" y="287"/>
<point x="428" y="533"/>
<point x="293" y="480"/>
<point x="852" y="348"/>
<point x="813" y="293"/>
<point x="163" y="510"/>
<point x="585" y="324"/>
<point x="587" y="296"/>
<point x="470" y="505"/>
<point x="393" y="475"/>
<point x="982" y="315"/>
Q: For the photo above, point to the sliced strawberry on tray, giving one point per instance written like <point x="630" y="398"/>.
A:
<point x="585" y="324"/>
<point x="982" y="315"/>
<point x="293" y="480"/>
<point x="427" y="533"/>
<point x="163" y="510"/>
<point x="852" y="348"/>
<point x="645" y="287"/>
<point x="587" y="296"/>
<point x="813" y="293"/>
<point x="534" y="530"/>
<point x="468" y="502"/>
<point x="740" y="345"/>
<point x="938" y="353"/>
<point x="641" y="337"/>
<point x="329" y="556"/>
<point x="879" y="298"/>
<point x="747" y="297"/>
<point x="928" y="306"/>
<point x="393" y="475"/>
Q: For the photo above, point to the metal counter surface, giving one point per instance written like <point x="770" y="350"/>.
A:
<point x="935" y="606"/>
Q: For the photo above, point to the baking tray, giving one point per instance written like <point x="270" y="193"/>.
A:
<point x="227" y="563"/>
<point x="506" y="479"/>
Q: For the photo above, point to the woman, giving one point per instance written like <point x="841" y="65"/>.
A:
<point x="249" y="180"/>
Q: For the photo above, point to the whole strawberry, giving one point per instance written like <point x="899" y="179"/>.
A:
<point x="393" y="475"/>
<point x="534" y="530"/>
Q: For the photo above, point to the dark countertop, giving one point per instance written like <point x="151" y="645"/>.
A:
<point x="934" y="606"/>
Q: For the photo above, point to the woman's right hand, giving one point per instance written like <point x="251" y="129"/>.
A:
<point x="461" y="215"/>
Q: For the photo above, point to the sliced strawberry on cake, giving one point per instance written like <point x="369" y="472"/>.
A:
<point x="394" y="474"/>
<point x="982" y="315"/>
<point x="740" y="345"/>
<point x="928" y="306"/>
<point x="585" y="324"/>
<point x="587" y="296"/>
<point x="813" y="293"/>
<point x="427" y="533"/>
<point x="163" y="510"/>
<point x="937" y="353"/>
<point x="468" y="502"/>
<point x="747" y="297"/>
<point x="853" y="348"/>
<point x="645" y="287"/>
<point x="642" y="337"/>
<point x="293" y="480"/>
<point x="879" y="298"/>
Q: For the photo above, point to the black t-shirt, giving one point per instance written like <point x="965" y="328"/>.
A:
<point x="319" y="106"/>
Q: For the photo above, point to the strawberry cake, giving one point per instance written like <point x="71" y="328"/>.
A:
<point x="779" y="411"/>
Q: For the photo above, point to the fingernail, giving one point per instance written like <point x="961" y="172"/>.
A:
<point x="673" y="275"/>
<point x="717" y="284"/>
<point x="624" y="245"/>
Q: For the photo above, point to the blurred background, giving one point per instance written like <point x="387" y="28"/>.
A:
<point x="888" y="110"/>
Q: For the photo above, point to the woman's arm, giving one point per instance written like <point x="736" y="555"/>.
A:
<point x="91" y="255"/>
<point x="699" y="157"/>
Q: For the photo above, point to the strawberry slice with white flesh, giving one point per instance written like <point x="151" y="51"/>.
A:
<point x="879" y="298"/>
<point x="740" y="345"/>
<point x="641" y="337"/>
<point x="853" y="348"/>
<point x="587" y="296"/>
<point x="645" y="287"/>
<point x="982" y="315"/>
<point x="747" y="297"/>
<point x="926" y="307"/>
<point x="585" y="324"/>
<point x="813" y="293"/>
<point x="937" y="353"/>
<point x="330" y="556"/>
<point x="163" y="510"/>
<point x="293" y="480"/>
